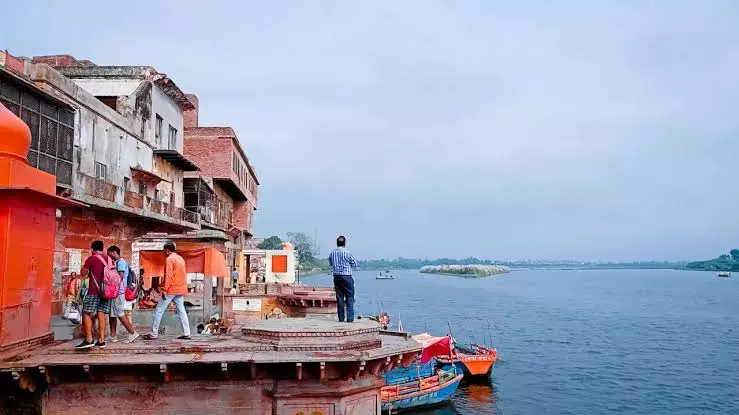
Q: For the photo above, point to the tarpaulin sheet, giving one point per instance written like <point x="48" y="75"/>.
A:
<point x="433" y="346"/>
<point x="207" y="261"/>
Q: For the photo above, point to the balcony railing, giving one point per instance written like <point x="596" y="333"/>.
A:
<point x="101" y="189"/>
<point x="133" y="200"/>
<point x="172" y="211"/>
<point x="207" y="215"/>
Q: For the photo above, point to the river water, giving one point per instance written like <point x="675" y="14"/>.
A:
<point x="579" y="342"/>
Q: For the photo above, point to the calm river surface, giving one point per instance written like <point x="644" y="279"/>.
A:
<point x="579" y="342"/>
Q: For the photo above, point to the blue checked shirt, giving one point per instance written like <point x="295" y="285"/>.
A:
<point x="342" y="261"/>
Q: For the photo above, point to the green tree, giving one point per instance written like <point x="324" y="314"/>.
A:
<point x="734" y="254"/>
<point x="304" y="246"/>
<point x="273" y="242"/>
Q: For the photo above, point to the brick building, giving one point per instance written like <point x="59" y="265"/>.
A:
<point x="103" y="152"/>
<point x="224" y="190"/>
<point x="125" y="141"/>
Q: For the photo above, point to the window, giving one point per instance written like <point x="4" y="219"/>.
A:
<point x="158" y="129"/>
<point x="52" y="130"/>
<point x="172" y="138"/>
<point x="157" y="194"/>
<point x="101" y="170"/>
<point x="112" y="102"/>
<point x="126" y="180"/>
<point x="142" y="188"/>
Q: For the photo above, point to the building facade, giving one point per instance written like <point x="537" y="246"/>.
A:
<point x="125" y="141"/>
<point x="224" y="190"/>
<point x="99" y="152"/>
<point x="155" y="103"/>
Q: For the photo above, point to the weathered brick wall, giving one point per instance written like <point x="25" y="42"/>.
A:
<point x="242" y="215"/>
<point x="211" y="154"/>
<point x="190" y="117"/>
<point x="57" y="61"/>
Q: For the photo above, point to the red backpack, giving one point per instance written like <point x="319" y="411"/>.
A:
<point x="111" y="285"/>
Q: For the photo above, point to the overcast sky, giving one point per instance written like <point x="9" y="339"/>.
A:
<point x="586" y="130"/>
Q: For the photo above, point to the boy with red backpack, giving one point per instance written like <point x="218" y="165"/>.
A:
<point x="97" y="267"/>
<point x="117" y="306"/>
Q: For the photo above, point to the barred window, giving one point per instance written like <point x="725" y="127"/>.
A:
<point x="52" y="129"/>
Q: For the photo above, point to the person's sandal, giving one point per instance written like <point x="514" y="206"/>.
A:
<point x="183" y="337"/>
<point x="148" y="337"/>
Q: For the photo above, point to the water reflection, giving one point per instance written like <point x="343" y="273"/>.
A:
<point x="470" y="399"/>
<point x="476" y="399"/>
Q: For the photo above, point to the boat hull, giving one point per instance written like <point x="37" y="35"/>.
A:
<point x="473" y="366"/>
<point x="471" y="369"/>
<point x="431" y="397"/>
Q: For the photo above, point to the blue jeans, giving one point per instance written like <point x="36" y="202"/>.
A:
<point x="179" y="303"/>
<point x="344" y="286"/>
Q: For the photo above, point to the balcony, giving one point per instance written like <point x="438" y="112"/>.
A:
<point x="166" y="209"/>
<point x="200" y="198"/>
<point x="133" y="200"/>
<point x="177" y="159"/>
<point x="98" y="192"/>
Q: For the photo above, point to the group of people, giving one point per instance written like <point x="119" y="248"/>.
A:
<point x="96" y="306"/>
<point x="111" y="310"/>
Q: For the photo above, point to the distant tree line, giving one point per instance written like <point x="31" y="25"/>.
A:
<point x="309" y="260"/>
<point x="723" y="262"/>
<point x="415" y="263"/>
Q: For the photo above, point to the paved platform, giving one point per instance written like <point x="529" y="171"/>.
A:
<point x="264" y="341"/>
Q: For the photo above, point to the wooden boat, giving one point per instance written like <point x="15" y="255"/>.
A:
<point x="724" y="274"/>
<point x="474" y="361"/>
<point x="429" y="386"/>
<point x="423" y="383"/>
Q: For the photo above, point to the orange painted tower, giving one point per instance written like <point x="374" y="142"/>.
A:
<point x="28" y="205"/>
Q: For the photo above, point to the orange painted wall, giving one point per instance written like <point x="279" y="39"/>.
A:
<point x="279" y="263"/>
<point x="26" y="246"/>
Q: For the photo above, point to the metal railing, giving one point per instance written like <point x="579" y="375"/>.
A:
<point x="209" y="215"/>
<point x="172" y="211"/>
<point x="101" y="189"/>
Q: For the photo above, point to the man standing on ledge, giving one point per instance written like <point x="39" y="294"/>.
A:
<point x="173" y="289"/>
<point x="342" y="263"/>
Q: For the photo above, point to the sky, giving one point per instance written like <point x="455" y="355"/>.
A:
<point x="582" y="130"/>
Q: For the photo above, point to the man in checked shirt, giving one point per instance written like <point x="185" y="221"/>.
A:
<point x="342" y="263"/>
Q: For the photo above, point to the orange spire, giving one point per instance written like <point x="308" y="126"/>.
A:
<point x="16" y="137"/>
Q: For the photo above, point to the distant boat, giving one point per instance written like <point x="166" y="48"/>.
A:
<point x="385" y="276"/>
<point x="725" y="274"/>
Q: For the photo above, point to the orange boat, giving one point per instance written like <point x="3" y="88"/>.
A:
<point x="474" y="361"/>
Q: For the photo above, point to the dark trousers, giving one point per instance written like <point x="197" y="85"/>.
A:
<point x="344" y="286"/>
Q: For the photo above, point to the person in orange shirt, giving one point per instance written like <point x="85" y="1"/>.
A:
<point x="173" y="288"/>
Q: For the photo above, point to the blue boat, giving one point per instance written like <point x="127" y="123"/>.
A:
<point x="418" y="386"/>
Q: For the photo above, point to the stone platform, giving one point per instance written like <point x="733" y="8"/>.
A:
<point x="285" y="366"/>
<point x="314" y="334"/>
